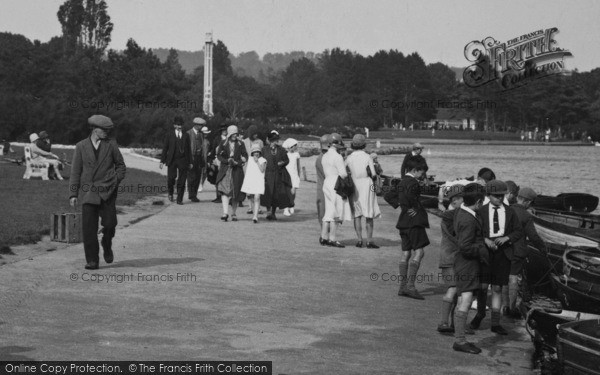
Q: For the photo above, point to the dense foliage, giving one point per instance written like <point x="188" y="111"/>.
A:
<point x="56" y="86"/>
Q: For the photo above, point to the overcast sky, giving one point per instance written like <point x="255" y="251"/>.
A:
<point x="437" y="30"/>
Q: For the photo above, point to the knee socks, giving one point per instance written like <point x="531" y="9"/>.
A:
<point x="460" y="321"/>
<point x="413" y="268"/>
<point x="402" y="275"/>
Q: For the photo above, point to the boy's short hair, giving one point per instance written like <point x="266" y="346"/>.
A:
<point x="473" y="192"/>
<point x="486" y="174"/>
<point x="416" y="162"/>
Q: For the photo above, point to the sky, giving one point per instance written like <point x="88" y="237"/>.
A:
<point x="438" y="30"/>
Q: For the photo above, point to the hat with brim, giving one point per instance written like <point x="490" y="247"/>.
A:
<point x="100" y="121"/>
<point x="496" y="187"/>
<point x="358" y="141"/>
<point x="527" y="193"/>
<point x="336" y="141"/>
<point x="273" y="135"/>
<point x="255" y="148"/>
<point x="231" y="130"/>
<point x="289" y="143"/>
<point x="325" y="141"/>
<point x="33" y="137"/>
<point x="205" y="130"/>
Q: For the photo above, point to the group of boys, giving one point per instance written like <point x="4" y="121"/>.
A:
<point x="484" y="243"/>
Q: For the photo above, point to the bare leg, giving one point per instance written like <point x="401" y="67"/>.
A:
<point x="325" y="230"/>
<point x="225" y="203"/>
<point x="369" y="229"/>
<point x="332" y="231"/>
<point x="256" y="205"/>
<point x="358" y="227"/>
<point x="234" y="205"/>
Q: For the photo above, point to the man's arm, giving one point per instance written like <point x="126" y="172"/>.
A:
<point x="165" y="150"/>
<point x="120" y="167"/>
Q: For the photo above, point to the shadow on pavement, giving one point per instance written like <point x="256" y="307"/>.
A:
<point x="151" y="262"/>
<point x="7" y="353"/>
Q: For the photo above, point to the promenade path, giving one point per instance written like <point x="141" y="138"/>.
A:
<point x="186" y="286"/>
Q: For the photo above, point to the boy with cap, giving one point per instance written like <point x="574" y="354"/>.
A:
<point x="417" y="149"/>
<point x="467" y="262"/>
<point x="97" y="170"/>
<point x="448" y="249"/>
<point x="411" y="223"/>
<point x="525" y="197"/>
<point x="501" y="230"/>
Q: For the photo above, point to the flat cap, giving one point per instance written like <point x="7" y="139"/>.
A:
<point x="496" y="187"/>
<point x="199" y="121"/>
<point x="455" y="190"/>
<point x="100" y="121"/>
<point x="528" y="193"/>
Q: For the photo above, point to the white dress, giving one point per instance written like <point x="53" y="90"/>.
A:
<point x="336" y="208"/>
<point x="292" y="168"/>
<point x="254" y="179"/>
<point x="364" y="198"/>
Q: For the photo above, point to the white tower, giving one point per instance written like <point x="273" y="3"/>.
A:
<point x="208" y="76"/>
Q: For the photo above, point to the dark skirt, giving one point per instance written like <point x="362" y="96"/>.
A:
<point x="278" y="189"/>
<point x="229" y="182"/>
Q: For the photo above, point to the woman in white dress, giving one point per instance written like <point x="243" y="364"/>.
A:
<point x="293" y="168"/>
<point x="336" y="208"/>
<point x="364" y="199"/>
<point x="254" y="180"/>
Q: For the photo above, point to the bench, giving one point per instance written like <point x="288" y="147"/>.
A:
<point x="35" y="168"/>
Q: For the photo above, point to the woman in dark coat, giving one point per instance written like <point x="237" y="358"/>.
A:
<point x="232" y="155"/>
<point x="278" y="184"/>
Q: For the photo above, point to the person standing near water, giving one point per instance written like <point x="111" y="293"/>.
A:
<point x="336" y="209"/>
<point x="362" y="171"/>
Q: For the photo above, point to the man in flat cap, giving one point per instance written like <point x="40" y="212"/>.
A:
<point x="198" y="158"/>
<point x="97" y="170"/>
<point x="176" y="154"/>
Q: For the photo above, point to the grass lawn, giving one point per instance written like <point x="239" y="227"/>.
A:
<point x="28" y="204"/>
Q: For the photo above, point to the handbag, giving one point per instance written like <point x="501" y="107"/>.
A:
<point x="344" y="187"/>
<point x="211" y="173"/>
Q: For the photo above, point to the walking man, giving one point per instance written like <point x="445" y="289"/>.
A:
<point x="196" y="146"/>
<point x="97" y="170"/>
<point x="177" y="156"/>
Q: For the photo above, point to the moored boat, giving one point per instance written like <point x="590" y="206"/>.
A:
<point x="574" y="299"/>
<point x="577" y="202"/>
<point x="571" y="229"/>
<point x="579" y="347"/>
<point x="582" y="266"/>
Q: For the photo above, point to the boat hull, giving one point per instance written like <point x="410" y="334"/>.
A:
<point x="573" y="299"/>
<point x="579" y="347"/>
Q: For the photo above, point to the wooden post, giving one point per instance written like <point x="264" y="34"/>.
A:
<point x="304" y="174"/>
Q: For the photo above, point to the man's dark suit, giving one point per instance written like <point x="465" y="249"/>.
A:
<point x="198" y="162"/>
<point x="176" y="154"/>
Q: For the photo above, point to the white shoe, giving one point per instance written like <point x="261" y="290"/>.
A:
<point x="286" y="212"/>
<point x="291" y="210"/>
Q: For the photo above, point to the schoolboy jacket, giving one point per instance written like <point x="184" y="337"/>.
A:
<point x="521" y="250"/>
<point x="470" y="237"/>
<point x="408" y="194"/>
<point x="512" y="227"/>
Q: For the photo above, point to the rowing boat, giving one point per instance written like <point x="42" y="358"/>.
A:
<point x="577" y="202"/>
<point x="579" y="347"/>
<point x="574" y="299"/>
<point x="583" y="266"/>
<point x="574" y="229"/>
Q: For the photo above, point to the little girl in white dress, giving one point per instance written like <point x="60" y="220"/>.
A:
<point x="293" y="168"/>
<point x="254" y="179"/>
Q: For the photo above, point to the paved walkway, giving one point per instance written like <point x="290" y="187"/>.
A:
<point x="185" y="285"/>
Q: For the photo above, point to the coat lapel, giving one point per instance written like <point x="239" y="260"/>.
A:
<point x="104" y="150"/>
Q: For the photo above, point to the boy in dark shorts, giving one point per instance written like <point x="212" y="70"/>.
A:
<point x="471" y="253"/>
<point x="411" y="223"/>
<point x="448" y="249"/>
<point x="501" y="229"/>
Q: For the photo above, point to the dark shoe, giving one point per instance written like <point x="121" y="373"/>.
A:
<point x="412" y="293"/>
<point x="402" y="292"/>
<point x="233" y="218"/>
<point x="359" y="244"/>
<point x="195" y="200"/>
<point x="108" y="253"/>
<point x="91" y="266"/>
<point x="216" y="200"/>
<point x="250" y="212"/>
<point x="445" y="328"/>
<point x="335" y="244"/>
<point x="179" y="202"/>
<point x="255" y="221"/>
<point x="224" y="217"/>
<point x="476" y="322"/>
<point x="171" y="197"/>
<point x="323" y="242"/>
<point x="271" y="217"/>
<point x="467" y="347"/>
<point x="371" y="245"/>
<point x="499" y="330"/>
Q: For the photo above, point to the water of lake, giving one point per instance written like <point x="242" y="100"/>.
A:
<point x="549" y="170"/>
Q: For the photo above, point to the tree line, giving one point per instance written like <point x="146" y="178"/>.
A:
<point x="56" y="86"/>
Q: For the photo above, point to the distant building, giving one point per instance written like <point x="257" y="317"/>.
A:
<point x="452" y="119"/>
